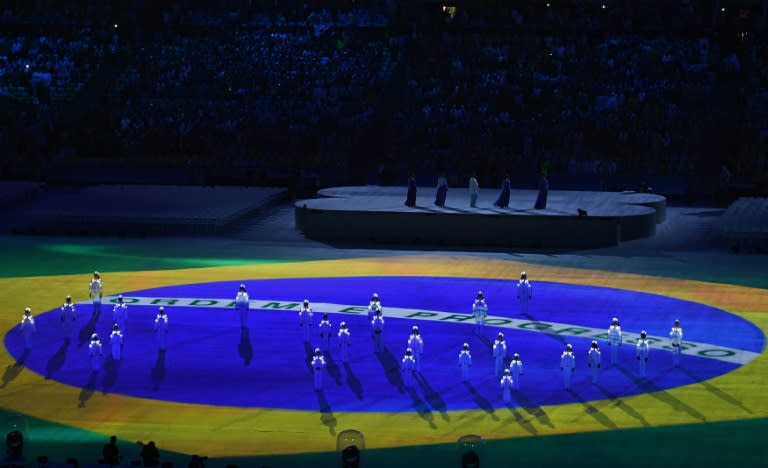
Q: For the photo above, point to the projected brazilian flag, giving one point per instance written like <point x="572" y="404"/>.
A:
<point x="233" y="377"/>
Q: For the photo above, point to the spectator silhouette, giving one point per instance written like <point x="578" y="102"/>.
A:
<point x="149" y="454"/>
<point x="110" y="453"/>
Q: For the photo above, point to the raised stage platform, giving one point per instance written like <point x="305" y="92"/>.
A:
<point x="378" y="214"/>
<point x="744" y="225"/>
<point x="12" y="192"/>
<point x="140" y="209"/>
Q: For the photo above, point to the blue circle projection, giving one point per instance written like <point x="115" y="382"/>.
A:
<point x="211" y="360"/>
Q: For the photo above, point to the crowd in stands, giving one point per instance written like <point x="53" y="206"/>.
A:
<point x="578" y="86"/>
<point x="590" y="16"/>
<point x="266" y="13"/>
<point x="318" y="15"/>
<point x="579" y="102"/>
<point x="41" y="67"/>
<point x="251" y="90"/>
<point x="40" y="71"/>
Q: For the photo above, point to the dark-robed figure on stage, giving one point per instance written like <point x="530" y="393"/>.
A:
<point x="541" y="200"/>
<point x="503" y="200"/>
<point x="442" y="190"/>
<point x="410" y="198"/>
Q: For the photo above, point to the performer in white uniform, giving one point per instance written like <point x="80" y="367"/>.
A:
<point x="408" y="368"/>
<point x="325" y="332"/>
<point x="416" y="343"/>
<point x="242" y="305"/>
<point x="479" y="311"/>
<point x="465" y="362"/>
<point x="120" y="313"/>
<point x="96" y="292"/>
<point x="516" y="369"/>
<point x="318" y="363"/>
<point x="676" y="337"/>
<point x="28" y="328"/>
<point x="567" y="365"/>
<point x="305" y="319"/>
<point x="499" y="354"/>
<point x="507" y="384"/>
<point x="68" y="316"/>
<point x="116" y="342"/>
<point x="614" y="340"/>
<point x="377" y="326"/>
<point x="373" y="306"/>
<point x="95" y="353"/>
<point x="161" y="329"/>
<point x="643" y="349"/>
<point x="593" y="361"/>
<point x="524" y="293"/>
<point x="345" y="341"/>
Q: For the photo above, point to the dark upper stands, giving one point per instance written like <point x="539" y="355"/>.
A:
<point x="648" y="88"/>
